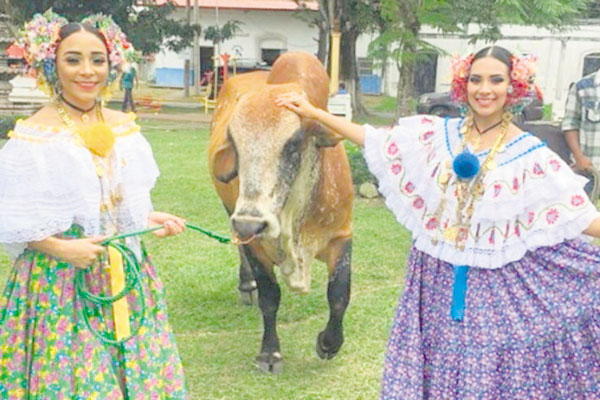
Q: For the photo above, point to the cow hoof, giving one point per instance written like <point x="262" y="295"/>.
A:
<point x="249" y="297"/>
<point x="270" y="362"/>
<point x="327" y="351"/>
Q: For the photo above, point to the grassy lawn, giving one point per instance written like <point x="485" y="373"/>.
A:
<point x="218" y="337"/>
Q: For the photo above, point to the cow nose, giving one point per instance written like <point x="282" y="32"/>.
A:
<point x="248" y="227"/>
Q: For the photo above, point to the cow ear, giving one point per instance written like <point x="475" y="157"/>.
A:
<point x="225" y="163"/>
<point x="325" y="137"/>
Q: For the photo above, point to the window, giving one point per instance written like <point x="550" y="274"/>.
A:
<point x="270" y="55"/>
<point x="365" y="66"/>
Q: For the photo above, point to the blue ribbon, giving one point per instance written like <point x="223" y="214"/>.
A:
<point x="457" y="311"/>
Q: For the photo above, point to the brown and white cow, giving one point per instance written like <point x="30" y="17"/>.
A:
<point x="286" y="185"/>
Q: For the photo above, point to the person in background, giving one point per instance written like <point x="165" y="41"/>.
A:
<point x="207" y="77"/>
<point x="502" y="291"/>
<point x="581" y="124"/>
<point x="71" y="175"/>
<point x="128" y="79"/>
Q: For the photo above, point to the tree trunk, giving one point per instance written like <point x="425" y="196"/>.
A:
<point x="323" y="43"/>
<point x="349" y="71"/>
<point x="406" y="85"/>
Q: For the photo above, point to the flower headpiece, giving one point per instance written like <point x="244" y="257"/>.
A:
<point x="40" y="38"/>
<point x="520" y="90"/>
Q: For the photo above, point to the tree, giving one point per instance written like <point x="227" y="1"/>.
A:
<point x="352" y="18"/>
<point x="149" y="28"/>
<point x="219" y="34"/>
<point x="404" y="19"/>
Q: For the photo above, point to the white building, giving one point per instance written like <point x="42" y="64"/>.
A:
<point x="270" y="27"/>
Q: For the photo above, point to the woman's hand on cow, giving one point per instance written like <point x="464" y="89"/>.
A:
<point x="172" y="224"/>
<point x="297" y="103"/>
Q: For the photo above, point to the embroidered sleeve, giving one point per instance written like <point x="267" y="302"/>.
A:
<point x="49" y="182"/>
<point x="405" y="160"/>
<point x="531" y="199"/>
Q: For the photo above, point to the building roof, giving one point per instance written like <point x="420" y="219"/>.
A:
<point x="271" y="5"/>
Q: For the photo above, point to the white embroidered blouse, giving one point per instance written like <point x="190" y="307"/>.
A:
<point x="531" y="199"/>
<point x="50" y="181"/>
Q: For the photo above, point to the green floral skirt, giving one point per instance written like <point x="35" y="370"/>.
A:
<point x="47" y="351"/>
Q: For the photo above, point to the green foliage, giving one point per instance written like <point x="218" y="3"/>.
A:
<point x="151" y="29"/>
<point x="358" y="165"/>
<point x="148" y="28"/>
<point x="7" y="123"/>
<point x="217" y="34"/>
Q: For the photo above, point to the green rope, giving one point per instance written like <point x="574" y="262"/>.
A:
<point x="133" y="280"/>
<point x="212" y="235"/>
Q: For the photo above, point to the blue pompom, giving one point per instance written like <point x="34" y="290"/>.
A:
<point x="466" y="165"/>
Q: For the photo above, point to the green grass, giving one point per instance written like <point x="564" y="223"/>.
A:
<point x="218" y="337"/>
<point x="547" y="112"/>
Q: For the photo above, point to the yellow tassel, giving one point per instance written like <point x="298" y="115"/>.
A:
<point x="117" y="284"/>
<point x="98" y="137"/>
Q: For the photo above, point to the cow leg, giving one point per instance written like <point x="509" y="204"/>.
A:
<point x="269" y="295"/>
<point x="247" y="285"/>
<point x="330" y="340"/>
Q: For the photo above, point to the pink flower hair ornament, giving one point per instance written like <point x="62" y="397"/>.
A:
<point x="40" y="38"/>
<point x="520" y="91"/>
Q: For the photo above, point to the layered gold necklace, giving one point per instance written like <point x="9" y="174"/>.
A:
<point x="469" y="176"/>
<point x="97" y="136"/>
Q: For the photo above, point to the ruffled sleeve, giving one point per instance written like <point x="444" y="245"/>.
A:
<point x="531" y="199"/>
<point x="405" y="159"/>
<point x="48" y="182"/>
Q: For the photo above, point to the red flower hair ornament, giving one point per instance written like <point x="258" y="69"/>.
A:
<point x="521" y="89"/>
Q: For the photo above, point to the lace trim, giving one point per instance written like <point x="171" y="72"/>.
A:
<point x="13" y="134"/>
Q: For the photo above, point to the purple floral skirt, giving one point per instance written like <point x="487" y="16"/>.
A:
<point x="531" y="329"/>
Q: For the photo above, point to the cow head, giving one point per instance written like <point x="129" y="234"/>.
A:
<point x="276" y="157"/>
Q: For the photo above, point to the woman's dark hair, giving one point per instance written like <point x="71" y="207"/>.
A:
<point x="74" y="27"/>
<point x="499" y="53"/>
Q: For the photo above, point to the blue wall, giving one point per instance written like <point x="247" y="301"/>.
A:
<point x="370" y="84"/>
<point x="171" y="77"/>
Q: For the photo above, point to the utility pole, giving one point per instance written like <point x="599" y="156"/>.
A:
<point x="196" y="53"/>
<point x="334" y="62"/>
<point x="186" y="66"/>
<point x="218" y="52"/>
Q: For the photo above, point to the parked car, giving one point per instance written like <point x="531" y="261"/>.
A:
<point x="441" y="104"/>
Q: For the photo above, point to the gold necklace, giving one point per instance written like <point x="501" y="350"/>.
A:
<point x="468" y="191"/>
<point x="97" y="137"/>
